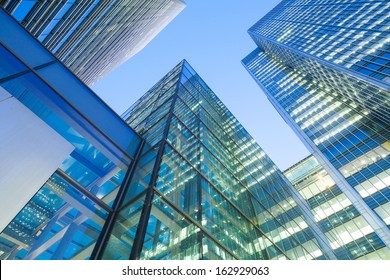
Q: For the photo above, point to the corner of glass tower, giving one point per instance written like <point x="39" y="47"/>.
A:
<point x="325" y="69"/>
<point x="203" y="188"/>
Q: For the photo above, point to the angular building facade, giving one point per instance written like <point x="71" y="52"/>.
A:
<point x="192" y="184"/>
<point x="62" y="164"/>
<point x="178" y="177"/>
<point x="93" y="37"/>
<point x="203" y="188"/>
<point x="324" y="65"/>
<point x="343" y="45"/>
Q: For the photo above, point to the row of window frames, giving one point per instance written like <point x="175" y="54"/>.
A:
<point x="325" y="50"/>
<point x="309" y="7"/>
<point x="364" y="140"/>
<point x="138" y="13"/>
<point x="338" y="37"/>
<point x="37" y="18"/>
<point x="382" y="71"/>
<point x="301" y="42"/>
<point x="76" y="18"/>
<point x="274" y="29"/>
<point x="308" y="11"/>
<point x="321" y="15"/>
<point x="288" y="101"/>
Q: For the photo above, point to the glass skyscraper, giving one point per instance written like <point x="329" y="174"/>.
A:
<point x="92" y="37"/>
<point x="203" y="188"/>
<point x="342" y="45"/>
<point x="324" y="65"/>
<point x="78" y="182"/>
<point x="177" y="176"/>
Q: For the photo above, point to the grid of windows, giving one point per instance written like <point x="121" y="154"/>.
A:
<point x="348" y="136"/>
<point x="344" y="46"/>
<point x="324" y="65"/>
<point x="209" y="191"/>
<point x="345" y="134"/>
<point x="337" y="216"/>
<point x="92" y="37"/>
<point x="353" y="34"/>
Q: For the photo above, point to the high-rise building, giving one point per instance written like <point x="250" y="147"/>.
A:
<point x="203" y="188"/>
<point x="92" y="37"/>
<point x="324" y="65"/>
<point x="335" y="213"/>
<point x="178" y="177"/>
<point x="342" y="45"/>
<point x="78" y="183"/>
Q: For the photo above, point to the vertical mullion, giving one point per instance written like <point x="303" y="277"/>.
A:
<point x="145" y="214"/>
<point x="199" y="186"/>
<point x="104" y="236"/>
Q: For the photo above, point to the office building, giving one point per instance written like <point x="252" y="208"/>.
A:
<point x="178" y="177"/>
<point x="343" y="45"/>
<point x="79" y="183"/>
<point x="324" y="65"/>
<point x="335" y="213"/>
<point x="203" y="188"/>
<point x="93" y="37"/>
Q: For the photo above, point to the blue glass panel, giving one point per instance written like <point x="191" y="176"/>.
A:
<point x="16" y="38"/>
<point x="57" y="18"/>
<point x="9" y="65"/>
<point x="48" y="29"/>
<point x="23" y="8"/>
<point x="378" y="198"/>
<point x="75" y="92"/>
<point x="44" y="102"/>
<point x="87" y="164"/>
<point x="142" y="175"/>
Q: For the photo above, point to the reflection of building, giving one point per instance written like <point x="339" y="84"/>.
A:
<point x="93" y="37"/>
<point x="325" y="68"/>
<point x="203" y="188"/>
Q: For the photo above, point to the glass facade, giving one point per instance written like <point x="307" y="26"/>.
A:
<point x="350" y="236"/>
<point x="342" y="45"/>
<point x="92" y="37"/>
<point x="203" y="188"/>
<point x="191" y="184"/>
<point x="65" y="217"/>
<point x="177" y="176"/>
<point x="311" y="62"/>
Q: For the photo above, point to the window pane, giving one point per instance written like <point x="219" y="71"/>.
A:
<point x="170" y="235"/>
<point x="9" y="65"/>
<point x="122" y="236"/>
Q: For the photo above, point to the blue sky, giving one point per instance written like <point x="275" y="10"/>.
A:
<point x="212" y="36"/>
